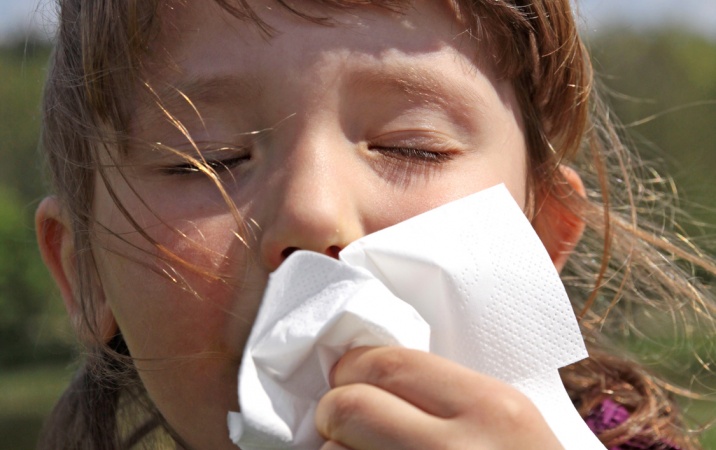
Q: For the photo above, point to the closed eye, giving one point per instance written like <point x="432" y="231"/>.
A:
<point x="414" y="154"/>
<point x="218" y="165"/>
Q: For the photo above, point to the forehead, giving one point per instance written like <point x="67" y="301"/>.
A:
<point x="204" y="58"/>
<point x="202" y="47"/>
<point x="263" y="15"/>
<point x="309" y="28"/>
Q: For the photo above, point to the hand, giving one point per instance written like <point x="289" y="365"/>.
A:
<point x="396" y="398"/>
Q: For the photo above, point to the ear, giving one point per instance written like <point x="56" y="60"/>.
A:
<point x="557" y="224"/>
<point x="55" y="238"/>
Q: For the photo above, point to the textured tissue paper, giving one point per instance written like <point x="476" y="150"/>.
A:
<point x="469" y="281"/>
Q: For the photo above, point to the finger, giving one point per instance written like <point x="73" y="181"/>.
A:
<point x="434" y="384"/>
<point x="361" y="416"/>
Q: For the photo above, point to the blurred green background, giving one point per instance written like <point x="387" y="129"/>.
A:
<point x="667" y="75"/>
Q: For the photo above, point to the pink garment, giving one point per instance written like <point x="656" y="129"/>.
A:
<point x="610" y="414"/>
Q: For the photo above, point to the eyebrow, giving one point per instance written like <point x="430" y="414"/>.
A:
<point x="416" y="85"/>
<point x="426" y="86"/>
<point x="207" y="90"/>
<point x="423" y="85"/>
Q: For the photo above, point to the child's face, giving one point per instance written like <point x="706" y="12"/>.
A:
<point x="359" y="126"/>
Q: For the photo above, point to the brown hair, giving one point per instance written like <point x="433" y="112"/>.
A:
<point x="622" y="259"/>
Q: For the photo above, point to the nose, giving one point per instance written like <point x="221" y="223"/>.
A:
<point x="311" y="207"/>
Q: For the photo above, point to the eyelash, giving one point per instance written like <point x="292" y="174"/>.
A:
<point x="411" y="154"/>
<point x="414" y="154"/>
<point x="219" y="166"/>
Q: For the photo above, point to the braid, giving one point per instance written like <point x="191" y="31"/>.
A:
<point x="89" y="413"/>
<point x="653" y="417"/>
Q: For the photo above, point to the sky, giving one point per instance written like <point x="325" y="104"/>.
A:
<point x="698" y="15"/>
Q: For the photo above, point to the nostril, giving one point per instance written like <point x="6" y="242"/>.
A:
<point x="288" y="251"/>
<point x="333" y="251"/>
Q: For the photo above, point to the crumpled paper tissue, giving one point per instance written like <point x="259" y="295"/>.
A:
<point x="469" y="280"/>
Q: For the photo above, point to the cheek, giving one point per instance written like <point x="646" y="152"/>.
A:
<point x="183" y="309"/>
<point x="504" y="164"/>
<point x="388" y="209"/>
<point x="512" y="169"/>
<point x="177" y="287"/>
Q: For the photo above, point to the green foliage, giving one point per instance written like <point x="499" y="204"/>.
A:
<point x="662" y="86"/>
<point x="26" y="398"/>
<point x="663" y="83"/>
<point x="32" y="328"/>
<point x="22" y="71"/>
<point x="27" y="331"/>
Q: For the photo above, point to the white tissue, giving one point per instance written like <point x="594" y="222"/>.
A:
<point x="469" y="281"/>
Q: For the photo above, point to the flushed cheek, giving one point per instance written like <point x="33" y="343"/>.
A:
<point x="175" y="301"/>
<point x="179" y="323"/>
<point x="184" y="285"/>
<point x="183" y="274"/>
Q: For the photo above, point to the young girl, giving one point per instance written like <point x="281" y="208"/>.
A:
<point x="195" y="145"/>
